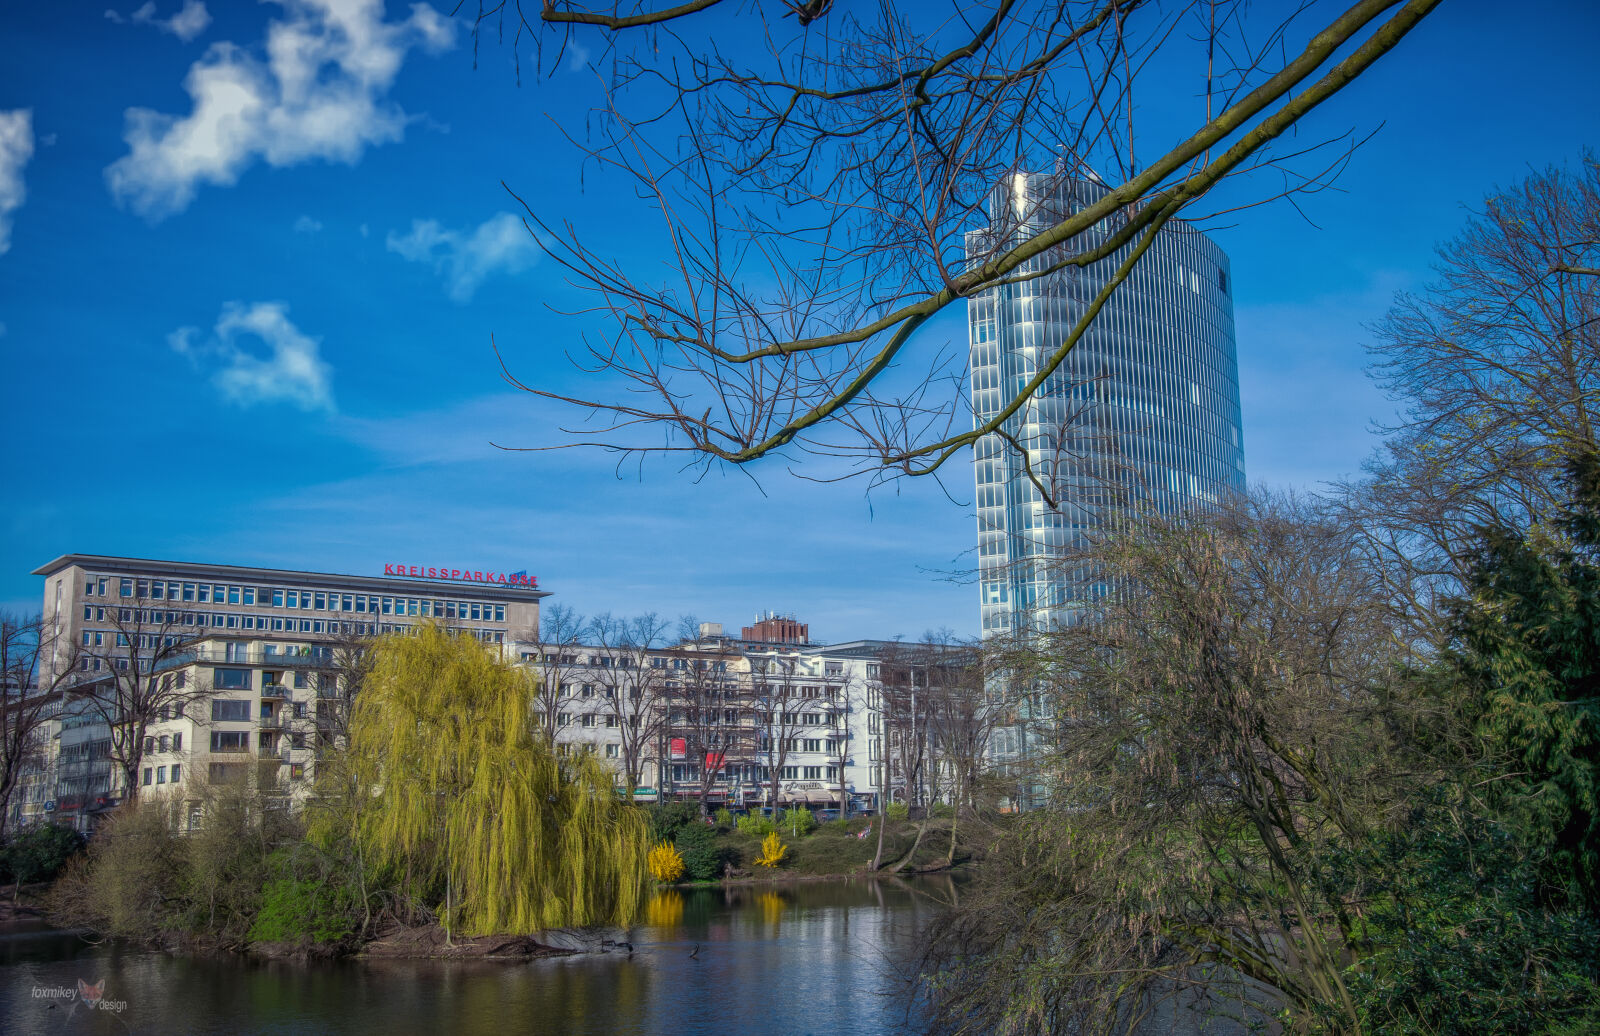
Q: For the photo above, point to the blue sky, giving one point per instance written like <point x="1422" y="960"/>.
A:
<point x="272" y="345"/>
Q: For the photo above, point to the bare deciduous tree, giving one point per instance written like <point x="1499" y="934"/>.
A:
<point x="558" y="661"/>
<point x="708" y="702"/>
<point x="632" y="688"/>
<point x="27" y="695"/>
<point x="819" y="178"/>
<point x="775" y="688"/>
<point x="130" y="674"/>
<point x="1497" y="367"/>
<point x="1229" y="718"/>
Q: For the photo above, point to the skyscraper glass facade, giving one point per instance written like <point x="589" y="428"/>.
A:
<point x="1144" y="411"/>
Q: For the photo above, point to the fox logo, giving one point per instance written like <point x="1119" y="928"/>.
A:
<point x="91" y="995"/>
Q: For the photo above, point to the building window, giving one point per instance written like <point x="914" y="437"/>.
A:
<point x="125" y="588"/>
<point x="230" y="710"/>
<point x="230" y="740"/>
<point x="297" y="771"/>
<point x="611" y="751"/>
<point x="790" y="772"/>
<point x="175" y="771"/>
<point x="611" y="721"/>
<point x="148" y="774"/>
<point x="813" y="773"/>
<point x="177" y="746"/>
<point x="203" y="593"/>
<point x="231" y="679"/>
<point x="161" y="775"/>
<point x="300" y="681"/>
<point x="588" y="719"/>
<point x="563" y="719"/>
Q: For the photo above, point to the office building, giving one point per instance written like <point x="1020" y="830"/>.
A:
<point x="1143" y="412"/>
<point x="246" y="636"/>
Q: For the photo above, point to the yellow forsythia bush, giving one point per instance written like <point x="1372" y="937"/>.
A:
<point x="665" y="862"/>
<point x="772" y="851"/>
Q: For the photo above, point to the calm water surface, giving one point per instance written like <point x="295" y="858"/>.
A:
<point x="816" y="958"/>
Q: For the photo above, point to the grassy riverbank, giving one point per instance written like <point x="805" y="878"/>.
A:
<point x="724" y="849"/>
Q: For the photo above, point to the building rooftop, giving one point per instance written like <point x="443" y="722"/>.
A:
<point x="493" y="584"/>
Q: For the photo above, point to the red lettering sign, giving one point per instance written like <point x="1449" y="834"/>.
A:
<point x="462" y="575"/>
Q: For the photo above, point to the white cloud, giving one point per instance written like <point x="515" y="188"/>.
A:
<point x="577" y="56"/>
<point x="291" y="371"/>
<point x="320" y="94"/>
<point x="307" y="225"/>
<point x="16" y="147"/>
<point x="188" y="23"/>
<point x="465" y="258"/>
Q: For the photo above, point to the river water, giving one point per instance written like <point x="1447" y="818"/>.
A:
<point x="817" y="958"/>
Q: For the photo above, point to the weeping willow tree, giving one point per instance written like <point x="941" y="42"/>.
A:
<point x="465" y="809"/>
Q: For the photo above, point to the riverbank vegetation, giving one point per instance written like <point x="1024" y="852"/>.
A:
<point x="1332" y="764"/>
<point x="445" y="808"/>
<point x="724" y="847"/>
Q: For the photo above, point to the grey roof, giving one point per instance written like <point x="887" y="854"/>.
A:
<point x="406" y="584"/>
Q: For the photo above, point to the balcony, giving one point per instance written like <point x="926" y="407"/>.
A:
<point x="274" y="690"/>
<point x="315" y="658"/>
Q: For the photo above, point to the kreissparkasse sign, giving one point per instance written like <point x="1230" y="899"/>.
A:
<point x="463" y="575"/>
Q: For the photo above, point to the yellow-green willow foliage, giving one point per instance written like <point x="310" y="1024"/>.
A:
<point x="465" y="803"/>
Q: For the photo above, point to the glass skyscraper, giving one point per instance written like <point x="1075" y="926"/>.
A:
<point x="1144" y="412"/>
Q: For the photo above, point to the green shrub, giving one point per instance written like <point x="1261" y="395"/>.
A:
<point x="668" y="818"/>
<point x="295" y="911"/>
<point x="724" y="819"/>
<point x="797" y="821"/>
<point x="39" y="853"/>
<point x="703" y="858"/>
<point x="942" y="810"/>
<point x="840" y="826"/>
<point x="1462" y="944"/>
<point x="897" y="811"/>
<point x="755" y="825"/>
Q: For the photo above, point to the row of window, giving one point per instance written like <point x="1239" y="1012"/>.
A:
<point x="273" y="623"/>
<point x="281" y="597"/>
<point x="164" y="774"/>
<point x="682" y="772"/>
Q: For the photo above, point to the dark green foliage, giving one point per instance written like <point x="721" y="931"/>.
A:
<point x="38" y="853"/>
<point x="797" y="821"/>
<point x="300" y="911"/>
<point x="1460" y="944"/>
<point x="1527" y="654"/>
<point x="668" y="818"/>
<point x="703" y="857"/>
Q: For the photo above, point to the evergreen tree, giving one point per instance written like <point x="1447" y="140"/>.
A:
<point x="1527" y="646"/>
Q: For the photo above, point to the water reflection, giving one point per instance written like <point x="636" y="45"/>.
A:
<point x="812" y="958"/>
<point x="664" y="910"/>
